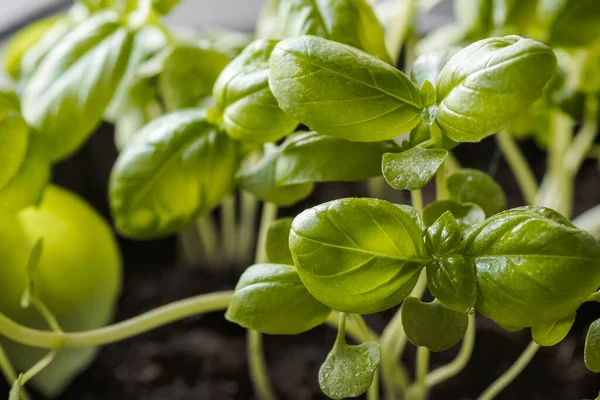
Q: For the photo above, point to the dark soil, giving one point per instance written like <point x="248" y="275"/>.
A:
<point x="204" y="357"/>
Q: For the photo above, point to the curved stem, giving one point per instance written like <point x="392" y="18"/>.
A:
<point x="416" y="199"/>
<point x="448" y="371"/>
<point x="208" y="237"/>
<point x="9" y="372"/>
<point x="373" y="392"/>
<point x="441" y="185"/>
<point x="38" y="367"/>
<point x="228" y="228"/>
<point x="247" y="226"/>
<point x="422" y="369"/>
<point x="46" y="314"/>
<point x="258" y="368"/>
<point x="269" y="214"/>
<point x="519" y="166"/>
<point x="514" y="371"/>
<point x="583" y="142"/>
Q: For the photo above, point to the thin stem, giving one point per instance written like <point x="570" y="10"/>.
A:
<point x="514" y="371"/>
<point x="256" y="357"/>
<point x="257" y="366"/>
<point x="583" y="142"/>
<point x="373" y="392"/>
<point x="46" y="314"/>
<point x="398" y="32"/>
<point x="38" y="367"/>
<point x="376" y="187"/>
<point x="228" y="228"/>
<point x="341" y="331"/>
<point x="422" y="369"/>
<point x="9" y="372"/>
<point x="208" y="237"/>
<point x="353" y="329"/>
<point x="362" y="325"/>
<point x="441" y="185"/>
<point x="188" y="240"/>
<point x="451" y="163"/>
<point x="448" y="371"/>
<point x="247" y="227"/>
<point x="416" y="199"/>
<point x="519" y="166"/>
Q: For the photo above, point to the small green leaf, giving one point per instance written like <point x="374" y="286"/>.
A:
<point x="358" y="255"/>
<point x="32" y="267"/>
<point x="14" y="138"/>
<point x="444" y="235"/>
<point x="242" y="94"/>
<point x="66" y="97"/>
<point x="348" y="371"/>
<point x="591" y="353"/>
<point x="452" y="280"/>
<point x="277" y="246"/>
<point x="15" y="390"/>
<point x="467" y="214"/>
<point x="473" y="186"/>
<point x="412" y="169"/>
<point x="351" y="22"/>
<point x="432" y="325"/>
<point x="177" y="168"/>
<point x="270" y="298"/>
<point x="533" y="266"/>
<point x="552" y="333"/>
<point x="340" y="91"/>
<point x="188" y="75"/>
<point x="489" y="83"/>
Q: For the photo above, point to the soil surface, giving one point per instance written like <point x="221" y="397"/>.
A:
<point x="204" y="357"/>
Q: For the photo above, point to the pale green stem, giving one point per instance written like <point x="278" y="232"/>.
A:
<point x="441" y="184"/>
<point x="353" y="329"/>
<point x="584" y="141"/>
<point x="448" y="371"/>
<point x="514" y="371"/>
<point x="416" y="198"/>
<point x="422" y="369"/>
<point x="188" y="241"/>
<point x="519" y="166"/>
<point x="451" y="163"/>
<point x="376" y="187"/>
<point x="247" y="227"/>
<point x="398" y="32"/>
<point x="256" y="357"/>
<point x="38" y="367"/>
<point x="9" y="372"/>
<point x="46" y="314"/>
<point x="373" y="392"/>
<point x="366" y="332"/>
<point x="208" y="237"/>
<point x="228" y="228"/>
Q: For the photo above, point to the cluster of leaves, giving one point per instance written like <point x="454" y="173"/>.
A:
<point x="198" y="118"/>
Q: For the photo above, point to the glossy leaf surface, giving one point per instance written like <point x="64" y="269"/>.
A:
<point x="340" y="91"/>
<point x="452" y="281"/>
<point x="467" y="214"/>
<point x="412" y="169"/>
<point x="14" y="139"/>
<point x="432" y="325"/>
<point x="444" y="235"/>
<point x="474" y="186"/>
<point x="592" y="347"/>
<point x="552" y="333"/>
<point x="270" y="298"/>
<point x="489" y="83"/>
<point x="357" y="255"/>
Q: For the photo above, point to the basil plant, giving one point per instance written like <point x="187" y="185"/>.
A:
<point x="209" y="125"/>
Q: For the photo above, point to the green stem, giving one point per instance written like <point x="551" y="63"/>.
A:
<point x="519" y="166"/>
<point x="362" y="325"/>
<point x="256" y="357"/>
<point x="448" y="371"/>
<point x="422" y="369"/>
<point x="258" y="368"/>
<point x="416" y="198"/>
<point x="353" y="329"/>
<point x="441" y="184"/>
<point x="38" y="367"/>
<point x="9" y="372"/>
<point x="398" y="32"/>
<point x="373" y="392"/>
<point x="584" y="141"/>
<point x="228" y="228"/>
<point x="46" y="314"/>
<point x="376" y="187"/>
<point x="208" y="237"/>
<point x="451" y="163"/>
<point x="514" y="371"/>
<point x="188" y="241"/>
<point x="247" y="227"/>
<point x="341" y="331"/>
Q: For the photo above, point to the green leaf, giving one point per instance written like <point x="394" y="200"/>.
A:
<point x="270" y="298"/>
<point x="259" y="178"/>
<point x="189" y="74"/>
<point x="66" y="97"/>
<point x="27" y="186"/>
<point x="351" y="22"/>
<point x="467" y="214"/>
<point x="432" y="325"/>
<point x="348" y="371"/>
<point x="591" y="353"/>
<point x="570" y="23"/>
<point x="452" y="280"/>
<point x="14" y="136"/>
<point x="489" y="83"/>
<point x="24" y="40"/>
<point x="412" y="169"/>
<point x="422" y="133"/>
<point x="340" y="91"/>
<point x="358" y="255"/>
<point x="414" y="214"/>
<point x="16" y="388"/>
<point x="428" y="66"/>
<point x="476" y="17"/>
<point x="515" y="14"/>
<point x="242" y="94"/>
<point x="277" y="246"/>
<point x="473" y="186"/>
<point x="533" y="266"/>
<point x="164" y="6"/>
<point x="444" y="235"/>
<point x="32" y="266"/>
<point x="177" y="168"/>
<point x="554" y="332"/>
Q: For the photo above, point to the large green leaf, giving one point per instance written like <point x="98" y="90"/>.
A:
<point x="340" y="91"/>
<point x="351" y="22"/>
<point x="357" y="255"/>
<point x="66" y="97"/>
<point x="489" y="83"/>
<point x="242" y="94"/>
<point x="270" y="298"/>
<point x="177" y="168"/>
<point x="533" y="266"/>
